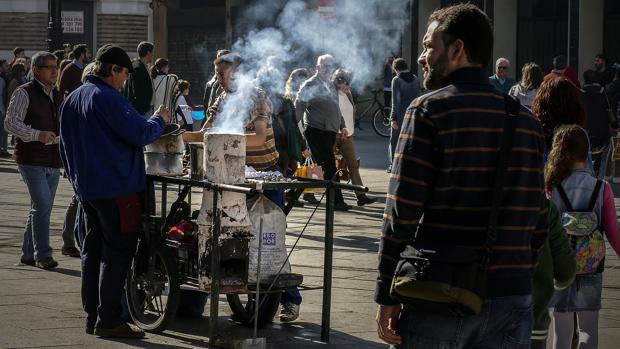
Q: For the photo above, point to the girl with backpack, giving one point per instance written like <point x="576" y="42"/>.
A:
<point x="588" y="214"/>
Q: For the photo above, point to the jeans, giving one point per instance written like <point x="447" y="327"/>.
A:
<point x="504" y="322"/>
<point x="42" y="183"/>
<point x="70" y="224"/>
<point x="322" y="146"/>
<point x="3" y="134"/>
<point x="394" y="134"/>
<point x="106" y="258"/>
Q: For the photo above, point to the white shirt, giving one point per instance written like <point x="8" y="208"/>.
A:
<point x="346" y="108"/>
<point x="185" y="109"/>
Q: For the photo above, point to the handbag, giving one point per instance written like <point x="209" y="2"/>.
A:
<point x="342" y="166"/>
<point x="449" y="280"/>
<point x="312" y="171"/>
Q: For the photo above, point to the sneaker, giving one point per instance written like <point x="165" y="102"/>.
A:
<point x="27" y="261"/>
<point x="364" y="200"/>
<point x="289" y="312"/>
<point x="309" y="198"/>
<point x="389" y="170"/>
<point x="342" y="206"/>
<point x="47" y="263"/>
<point x="71" y="252"/>
<point x="120" y="331"/>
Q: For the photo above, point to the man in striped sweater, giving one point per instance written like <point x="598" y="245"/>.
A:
<point x="441" y="189"/>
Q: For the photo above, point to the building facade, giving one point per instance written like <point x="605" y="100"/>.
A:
<point x="537" y="30"/>
<point x="23" y="23"/>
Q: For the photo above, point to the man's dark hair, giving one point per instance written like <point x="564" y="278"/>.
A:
<point x="601" y="57"/>
<point x="399" y="64"/>
<point x="559" y="62"/>
<point x="78" y="50"/>
<point x="469" y="24"/>
<point x="60" y="55"/>
<point x="144" y="48"/>
<point x="17" y="51"/>
<point x="589" y="77"/>
<point x="103" y="70"/>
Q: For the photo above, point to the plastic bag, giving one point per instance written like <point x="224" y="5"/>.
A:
<point x="274" y="235"/>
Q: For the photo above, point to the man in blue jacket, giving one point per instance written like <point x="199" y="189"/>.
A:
<point x="102" y="137"/>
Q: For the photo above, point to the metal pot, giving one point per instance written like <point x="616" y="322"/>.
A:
<point x="196" y="160"/>
<point x="172" y="143"/>
<point x="163" y="164"/>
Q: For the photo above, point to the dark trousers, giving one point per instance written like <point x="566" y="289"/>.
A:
<point x="322" y="147"/>
<point x="106" y="257"/>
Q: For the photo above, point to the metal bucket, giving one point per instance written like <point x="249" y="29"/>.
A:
<point x="163" y="164"/>
<point x="196" y="160"/>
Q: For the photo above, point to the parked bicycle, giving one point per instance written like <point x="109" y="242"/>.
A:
<point x="380" y="114"/>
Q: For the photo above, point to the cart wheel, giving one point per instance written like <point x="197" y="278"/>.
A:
<point x="153" y="299"/>
<point x="242" y="307"/>
<point x="381" y="121"/>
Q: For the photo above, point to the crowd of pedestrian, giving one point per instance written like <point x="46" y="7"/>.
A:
<point x="511" y="177"/>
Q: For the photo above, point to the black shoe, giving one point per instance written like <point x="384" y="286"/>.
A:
<point x="46" y="263"/>
<point x="120" y="331"/>
<point x="364" y="200"/>
<point x="309" y="197"/>
<point x="342" y="206"/>
<point x="29" y="262"/>
<point x="90" y="330"/>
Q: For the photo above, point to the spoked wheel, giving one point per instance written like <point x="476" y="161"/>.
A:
<point x="242" y="306"/>
<point x="153" y="296"/>
<point x="381" y="121"/>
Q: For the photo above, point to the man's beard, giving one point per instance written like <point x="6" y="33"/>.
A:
<point x="437" y="74"/>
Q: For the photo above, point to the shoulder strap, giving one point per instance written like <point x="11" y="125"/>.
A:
<point x="564" y="198"/>
<point x="513" y="107"/>
<point x="594" y="196"/>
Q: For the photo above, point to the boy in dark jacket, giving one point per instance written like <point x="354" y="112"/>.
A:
<point x="139" y="87"/>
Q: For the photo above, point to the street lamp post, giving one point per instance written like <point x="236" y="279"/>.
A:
<point x="54" y="27"/>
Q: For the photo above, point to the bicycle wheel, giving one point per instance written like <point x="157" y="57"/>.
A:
<point x="153" y="297"/>
<point x="381" y="121"/>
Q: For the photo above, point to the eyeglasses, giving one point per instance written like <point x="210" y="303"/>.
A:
<point x="502" y="68"/>
<point x="53" y="67"/>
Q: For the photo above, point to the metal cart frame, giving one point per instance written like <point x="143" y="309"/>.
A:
<point x="298" y="184"/>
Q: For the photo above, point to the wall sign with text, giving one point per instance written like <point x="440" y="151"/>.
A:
<point x="73" y="22"/>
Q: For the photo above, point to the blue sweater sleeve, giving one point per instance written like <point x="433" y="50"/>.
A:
<point x="126" y="122"/>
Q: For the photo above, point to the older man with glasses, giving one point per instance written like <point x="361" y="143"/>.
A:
<point x="32" y="116"/>
<point x="500" y="80"/>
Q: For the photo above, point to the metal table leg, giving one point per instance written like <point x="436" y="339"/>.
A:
<point x="327" y="264"/>
<point x="215" y="274"/>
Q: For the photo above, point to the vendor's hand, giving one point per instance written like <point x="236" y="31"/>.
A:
<point x="344" y="133"/>
<point x="306" y="154"/>
<point x="395" y="124"/>
<point x="47" y="137"/>
<point x="387" y="317"/>
<point x="164" y="112"/>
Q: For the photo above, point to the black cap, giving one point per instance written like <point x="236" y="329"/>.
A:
<point x="113" y="54"/>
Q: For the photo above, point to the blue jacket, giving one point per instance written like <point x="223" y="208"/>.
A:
<point x="101" y="141"/>
<point x="505" y="87"/>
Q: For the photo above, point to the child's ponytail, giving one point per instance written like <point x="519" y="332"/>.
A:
<point x="570" y="145"/>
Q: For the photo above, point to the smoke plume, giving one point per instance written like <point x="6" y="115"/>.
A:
<point x="281" y="35"/>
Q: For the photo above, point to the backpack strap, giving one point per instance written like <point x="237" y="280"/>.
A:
<point x="594" y="196"/>
<point x="569" y="206"/>
<point x="512" y="109"/>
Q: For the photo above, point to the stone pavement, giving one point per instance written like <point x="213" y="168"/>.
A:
<point x="43" y="309"/>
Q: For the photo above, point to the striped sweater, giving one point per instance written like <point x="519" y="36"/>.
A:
<point x="442" y="181"/>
